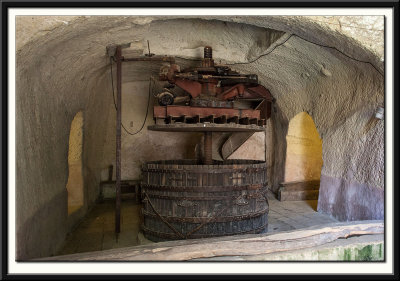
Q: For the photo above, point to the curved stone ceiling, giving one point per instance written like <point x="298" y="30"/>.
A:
<point x="62" y="68"/>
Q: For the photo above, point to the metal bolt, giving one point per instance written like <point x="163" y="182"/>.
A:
<point x="207" y="52"/>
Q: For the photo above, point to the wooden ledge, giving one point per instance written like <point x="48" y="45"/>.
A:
<point x="240" y="245"/>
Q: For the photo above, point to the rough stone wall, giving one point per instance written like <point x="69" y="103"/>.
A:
<point x="145" y="145"/>
<point x="62" y="68"/>
<point x="368" y="30"/>
<point x="353" y="187"/>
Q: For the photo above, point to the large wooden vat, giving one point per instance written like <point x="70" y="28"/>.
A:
<point x="183" y="200"/>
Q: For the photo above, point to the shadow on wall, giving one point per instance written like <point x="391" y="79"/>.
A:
<point x="276" y="147"/>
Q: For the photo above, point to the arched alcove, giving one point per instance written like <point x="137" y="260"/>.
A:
<point x="75" y="178"/>
<point x="304" y="150"/>
<point x="341" y="93"/>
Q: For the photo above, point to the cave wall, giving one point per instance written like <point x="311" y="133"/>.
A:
<point x="352" y="187"/>
<point x="62" y="68"/>
<point x="146" y="145"/>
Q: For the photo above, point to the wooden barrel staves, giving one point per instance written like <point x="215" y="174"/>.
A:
<point x="183" y="200"/>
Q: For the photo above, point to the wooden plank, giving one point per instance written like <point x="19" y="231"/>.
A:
<point x="298" y="190"/>
<point x="241" y="245"/>
<point x="192" y="111"/>
<point x="300" y="185"/>
<point x="204" y="127"/>
<point x="350" y="249"/>
<point x="234" y="142"/>
<point x="118" y="143"/>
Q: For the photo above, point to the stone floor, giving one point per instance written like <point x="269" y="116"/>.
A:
<point x="288" y="215"/>
<point x="96" y="231"/>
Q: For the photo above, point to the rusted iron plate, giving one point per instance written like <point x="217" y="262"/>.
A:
<point x="211" y="103"/>
<point x="153" y="58"/>
<point x="232" y="92"/>
<point x="205" y="127"/>
<point x="191" y="111"/>
<point x="265" y="108"/>
<point x="258" y="91"/>
<point x="192" y="87"/>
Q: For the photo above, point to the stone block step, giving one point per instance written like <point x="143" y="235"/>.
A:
<point x="300" y="185"/>
<point x="297" y="195"/>
<point x="298" y="190"/>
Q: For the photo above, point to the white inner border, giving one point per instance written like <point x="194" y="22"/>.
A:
<point x="202" y="267"/>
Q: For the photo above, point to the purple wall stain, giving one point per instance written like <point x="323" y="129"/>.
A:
<point x="350" y="201"/>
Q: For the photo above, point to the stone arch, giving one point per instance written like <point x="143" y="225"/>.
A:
<point x="75" y="183"/>
<point x="340" y="93"/>
<point x="304" y="150"/>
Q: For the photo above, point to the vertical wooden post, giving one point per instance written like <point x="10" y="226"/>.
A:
<point x="265" y="142"/>
<point x="110" y="172"/>
<point x="268" y="107"/>
<point x="208" y="148"/>
<point x="118" y="144"/>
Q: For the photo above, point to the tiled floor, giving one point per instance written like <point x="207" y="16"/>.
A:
<point x="288" y="215"/>
<point x="96" y="231"/>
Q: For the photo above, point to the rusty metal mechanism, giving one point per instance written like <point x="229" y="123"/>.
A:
<point x="212" y="90"/>
<point x="201" y="198"/>
<point x="186" y="199"/>
<point x="210" y="94"/>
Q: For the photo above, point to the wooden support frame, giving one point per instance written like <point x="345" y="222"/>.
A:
<point x="118" y="55"/>
<point x="119" y="59"/>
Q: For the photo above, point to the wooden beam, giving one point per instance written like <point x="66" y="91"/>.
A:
<point x="118" y="144"/>
<point x="240" y="245"/>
